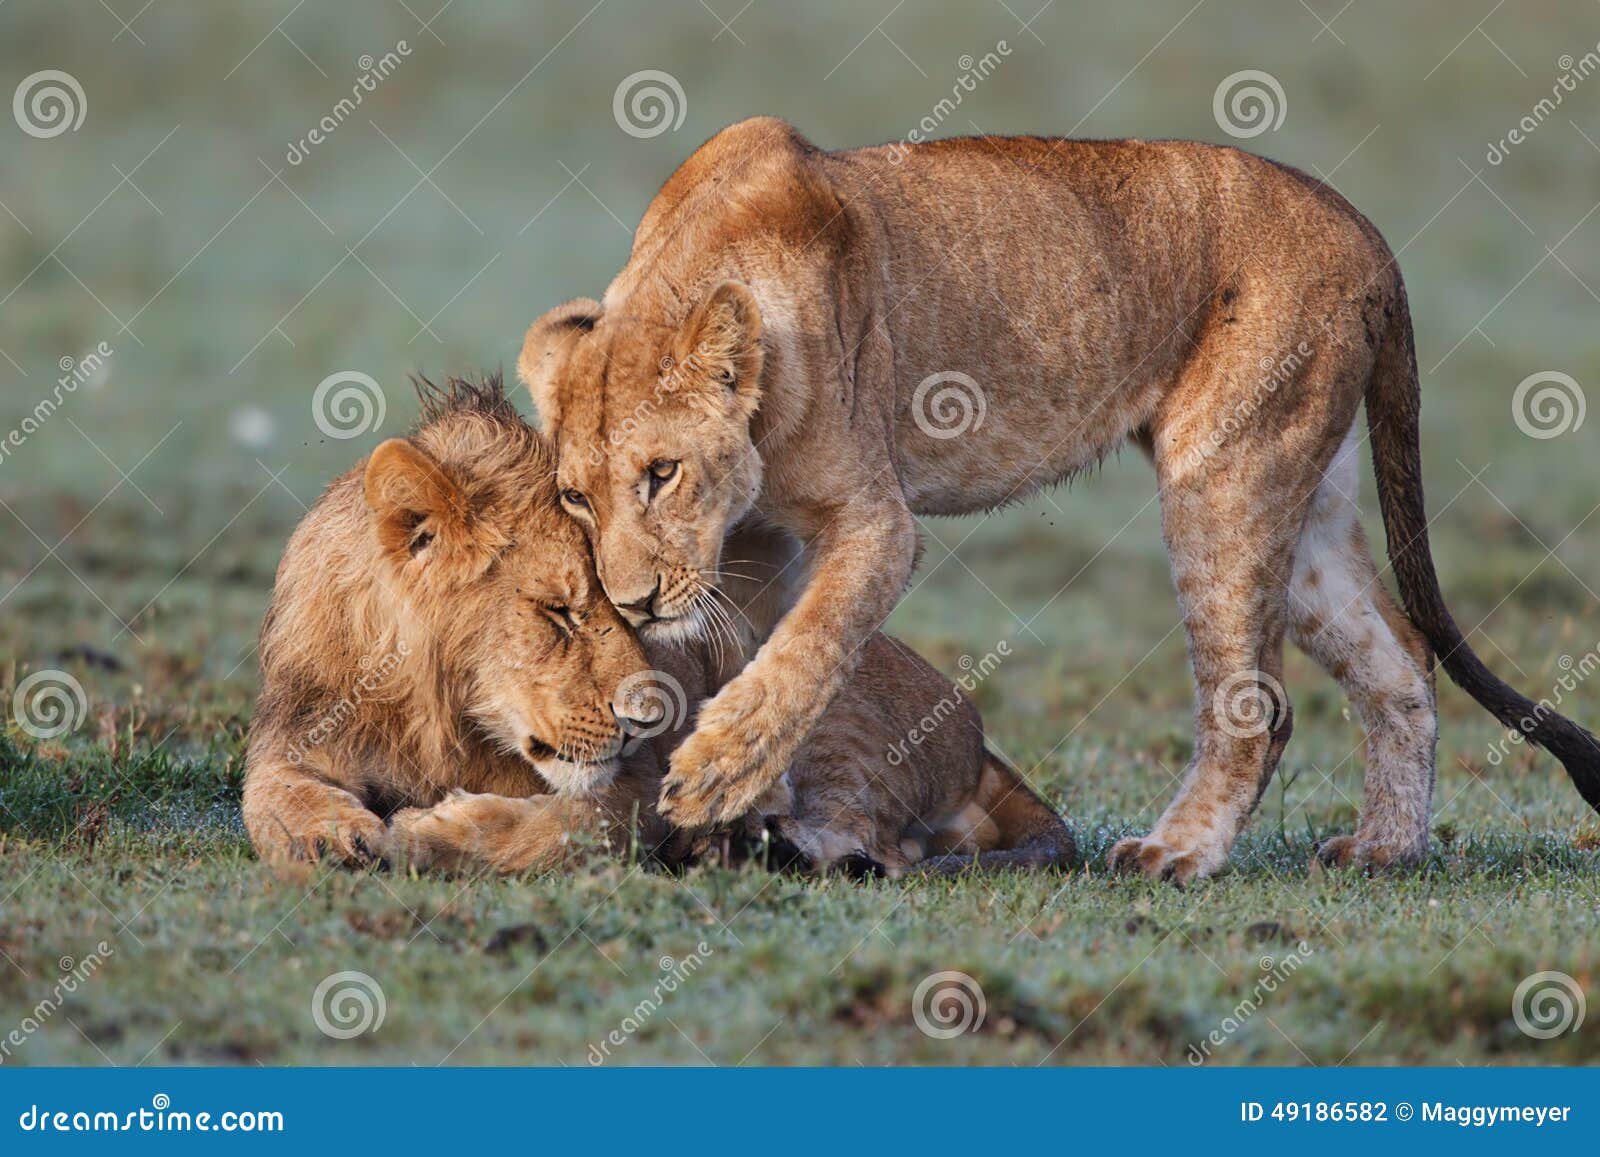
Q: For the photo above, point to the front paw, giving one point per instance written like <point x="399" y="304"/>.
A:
<point x="1158" y="860"/>
<point x="723" y="768"/>
<point x="357" y="840"/>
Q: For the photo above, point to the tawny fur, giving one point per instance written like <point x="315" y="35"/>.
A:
<point x="437" y="636"/>
<point x="769" y="346"/>
<point x="895" y="776"/>
<point x="438" y="656"/>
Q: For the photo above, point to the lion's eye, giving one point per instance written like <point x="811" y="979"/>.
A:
<point x="662" y="471"/>
<point x="563" y="618"/>
<point x="573" y="498"/>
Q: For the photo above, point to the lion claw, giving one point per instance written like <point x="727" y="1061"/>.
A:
<point x="1157" y="860"/>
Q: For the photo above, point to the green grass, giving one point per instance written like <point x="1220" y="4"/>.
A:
<point x="149" y="589"/>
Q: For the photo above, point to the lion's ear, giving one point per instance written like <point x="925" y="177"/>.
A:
<point x="411" y="498"/>
<point x="721" y="342"/>
<point x="545" y="350"/>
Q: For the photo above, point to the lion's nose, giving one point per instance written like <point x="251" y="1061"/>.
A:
<point x="640" y="709"/>
<point x="640" y="611"/>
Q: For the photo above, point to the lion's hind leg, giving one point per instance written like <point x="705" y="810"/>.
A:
<point x="472" y="832"/>
<point x="835" y="839"/>
<point x="1342" y="615"/>
<point x="1240" y="448"/>
<point x="467" y="832"/>
<point x="1005" y="826"/>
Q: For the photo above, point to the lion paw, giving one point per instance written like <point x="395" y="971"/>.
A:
<point x="723" y="768"/>
<point x="1157" y="860"/>
<point x="1354" y="852"/>
<point x="357" y="840"/>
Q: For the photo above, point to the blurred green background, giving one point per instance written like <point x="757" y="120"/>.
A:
<point x="487" y="178"/>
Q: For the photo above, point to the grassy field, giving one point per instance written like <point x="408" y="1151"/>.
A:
<point x="141" y="522"/>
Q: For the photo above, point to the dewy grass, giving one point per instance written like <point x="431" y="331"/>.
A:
<point x="126" y="829"/>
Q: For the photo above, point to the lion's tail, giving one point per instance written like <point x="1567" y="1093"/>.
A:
<point x="1031" y="835"/>
<point x="1394" y="399"/>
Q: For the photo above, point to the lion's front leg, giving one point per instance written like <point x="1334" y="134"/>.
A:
<point x="747" y="735"/>
<point x="292" y="815"/>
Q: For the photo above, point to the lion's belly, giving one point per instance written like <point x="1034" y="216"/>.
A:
<point x="982" y="439"/>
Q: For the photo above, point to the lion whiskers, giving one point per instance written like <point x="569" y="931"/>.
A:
<point x="719" y="629"/>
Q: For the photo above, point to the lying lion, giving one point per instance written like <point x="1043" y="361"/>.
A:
<point x="445" y="684"/>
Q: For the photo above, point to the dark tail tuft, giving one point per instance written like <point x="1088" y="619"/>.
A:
<point x="1394" y="400"/>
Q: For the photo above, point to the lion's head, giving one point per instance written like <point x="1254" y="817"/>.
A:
<point x="447" y="555"/>
<point x="657" y="461"/>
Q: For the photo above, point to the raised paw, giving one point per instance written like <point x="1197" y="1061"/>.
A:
<point x="723" y="768"/>
<point x="1354" y="852"/>
<point x="1157" y="860"/>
